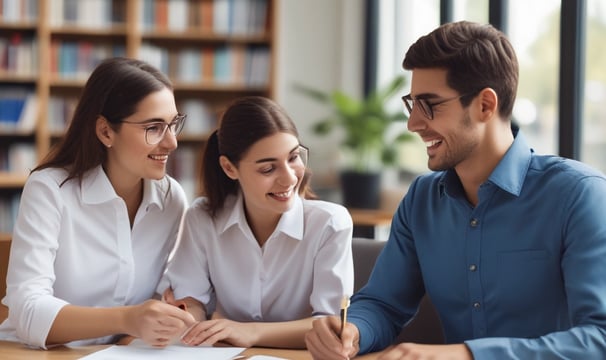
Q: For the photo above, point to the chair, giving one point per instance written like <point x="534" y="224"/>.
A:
<point x="425" y="327"/>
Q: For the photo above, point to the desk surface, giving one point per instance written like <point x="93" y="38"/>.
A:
<point x="16" y="351"/>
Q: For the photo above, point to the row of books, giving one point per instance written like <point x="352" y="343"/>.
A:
<point x="18" y="158"/>
<point x="235" y="64"/>
<point x="77" y="59"/>
<point x="18" y="109"/>
<point x="236" y="17"/>
<point x="60" y="112"/>
<point x="18" y="10"/>
<point x="88" y="13"/>
<point x="9" y="206"/>
<point x="18" y="54"/>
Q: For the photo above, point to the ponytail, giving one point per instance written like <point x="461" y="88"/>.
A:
<point x="215" y="184"/>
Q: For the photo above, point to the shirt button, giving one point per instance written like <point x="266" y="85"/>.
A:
<point x="476" y="305"/>
<point x="473" y="267"/>
<point x="474" y="222"/>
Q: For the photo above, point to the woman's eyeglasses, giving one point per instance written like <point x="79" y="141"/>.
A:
<point x="155" y="131"/>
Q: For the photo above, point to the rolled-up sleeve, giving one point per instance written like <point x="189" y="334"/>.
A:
<point x="32" y="306"/>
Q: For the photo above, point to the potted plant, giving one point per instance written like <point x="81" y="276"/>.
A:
<point x="370" y="139"/>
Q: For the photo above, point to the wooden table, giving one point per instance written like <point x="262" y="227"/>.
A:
<point x="16" y="351"/>
<point x="371" y="223"/>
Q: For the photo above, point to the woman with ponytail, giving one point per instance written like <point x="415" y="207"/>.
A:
<point x="259" y="257"/>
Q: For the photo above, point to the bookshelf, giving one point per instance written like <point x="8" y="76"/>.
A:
<point x="213" y="51"/>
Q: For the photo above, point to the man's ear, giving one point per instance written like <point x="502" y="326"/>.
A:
<point x="228" y="167"/>
<point x="104" y="131"/>
<point x="489" y="102"/>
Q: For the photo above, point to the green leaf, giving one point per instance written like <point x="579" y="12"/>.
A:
<point x="365" y="122"/>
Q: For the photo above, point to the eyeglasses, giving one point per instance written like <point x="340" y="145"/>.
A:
<point x="424" y="104"/>
<point x="155" y="131"/>
<point x="297" y="158"/>
<point x="303" y="153"/>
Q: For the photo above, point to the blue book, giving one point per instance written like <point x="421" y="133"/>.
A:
<point x="10" y="110"/>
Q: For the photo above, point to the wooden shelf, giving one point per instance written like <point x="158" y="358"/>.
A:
<point x="18" y="26"/>
<point x="14" y="181"/>
<point x="192" y="35"/>
<point x="6" y="77"/>
<point x="115" y="30"/>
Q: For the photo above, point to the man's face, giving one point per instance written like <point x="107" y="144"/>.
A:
<point x="451" y="137"/>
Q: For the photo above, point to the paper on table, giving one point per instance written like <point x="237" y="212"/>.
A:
<point x="141" y="351"/>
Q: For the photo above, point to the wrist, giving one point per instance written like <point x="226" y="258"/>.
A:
<point x="123" y="320"/>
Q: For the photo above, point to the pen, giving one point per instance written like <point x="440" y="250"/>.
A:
<point x="344" y="306"/>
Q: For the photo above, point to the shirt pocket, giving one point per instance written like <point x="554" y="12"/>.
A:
<point x="524" y="277"/>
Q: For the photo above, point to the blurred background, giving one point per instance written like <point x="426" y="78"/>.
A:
<point x="215" y="50"/>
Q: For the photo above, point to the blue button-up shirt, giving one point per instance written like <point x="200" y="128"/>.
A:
<point x="520" y="276"/>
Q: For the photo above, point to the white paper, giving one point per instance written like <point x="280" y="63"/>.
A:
<point x="138" y="351"/>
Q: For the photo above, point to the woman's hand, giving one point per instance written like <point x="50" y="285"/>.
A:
<point x="218" y="330"/>
<point x="157" y="323"/>
<point x="190" y="304"/>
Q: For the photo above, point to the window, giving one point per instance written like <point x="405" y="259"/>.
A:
<point x="534" y="30"/>
<point x="593" y="147"/>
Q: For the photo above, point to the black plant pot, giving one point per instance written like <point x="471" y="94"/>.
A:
<point x="361" y="190"/>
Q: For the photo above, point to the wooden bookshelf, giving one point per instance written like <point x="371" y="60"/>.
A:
<point x="5" y="244"/>
<point x="213" y="51"/>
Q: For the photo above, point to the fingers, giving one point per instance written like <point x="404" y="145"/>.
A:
<point x="177" y="316"/>
<point x="322" y="341"/>
<point x="201" y="333"/>
<point x="168" y="296"/>
<point x="157" y="323"/>
<point x="318" y="349"/>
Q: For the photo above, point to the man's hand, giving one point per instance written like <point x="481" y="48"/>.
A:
<point x="323" y="342"/>
<point x="406" y="351"/>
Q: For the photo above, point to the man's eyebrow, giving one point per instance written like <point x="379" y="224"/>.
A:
<point x="425" y="96"/>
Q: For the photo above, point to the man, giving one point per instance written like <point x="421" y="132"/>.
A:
<point x="509" y="245"/>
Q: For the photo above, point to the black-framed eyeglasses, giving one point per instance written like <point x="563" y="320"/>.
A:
<point x="425" y="105"/>
<point x="155" y="131"/>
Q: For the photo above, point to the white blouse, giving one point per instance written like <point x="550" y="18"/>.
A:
<point x="73" y="244"/>
<point x="303" y="269"/>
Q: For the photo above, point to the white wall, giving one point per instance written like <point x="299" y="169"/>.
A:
<point x="320" y="43"/>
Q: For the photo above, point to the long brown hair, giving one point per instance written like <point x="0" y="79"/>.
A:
<point x="244" y="122"/>
<point x="113" y="91"/>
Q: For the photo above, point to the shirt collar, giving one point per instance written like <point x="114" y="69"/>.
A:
<point x="97" y="189"/>
<point x="291" y="222"/>
<point x="511" y="171"/>
<point x="509" y="174"/>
